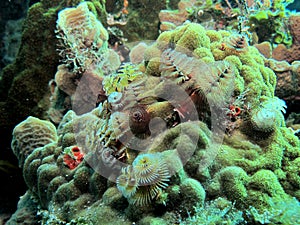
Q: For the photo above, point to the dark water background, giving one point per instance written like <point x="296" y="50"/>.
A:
<point x="12" y="185"/>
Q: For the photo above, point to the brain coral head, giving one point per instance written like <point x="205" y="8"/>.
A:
<point x="31" y="134"/>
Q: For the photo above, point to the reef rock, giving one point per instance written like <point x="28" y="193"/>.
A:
<point x="197" y="122"/>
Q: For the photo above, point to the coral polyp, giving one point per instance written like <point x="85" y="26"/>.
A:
<point x="139" y="119"/>
<point x="268" y="115"/>
<point x="151" y="169"/>
<point x="264" y="119"/>
<point x="115" y="101"/>
<point x="212" y="80"/>
<point x="145" y="179"/>
<point x="73" y="157"/>
<point x="235" y="44"/>
<point x="127" y="182"/>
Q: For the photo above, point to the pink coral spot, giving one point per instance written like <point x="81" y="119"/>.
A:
<point x="70" y="162"/>
<point x="74" y="158"/>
